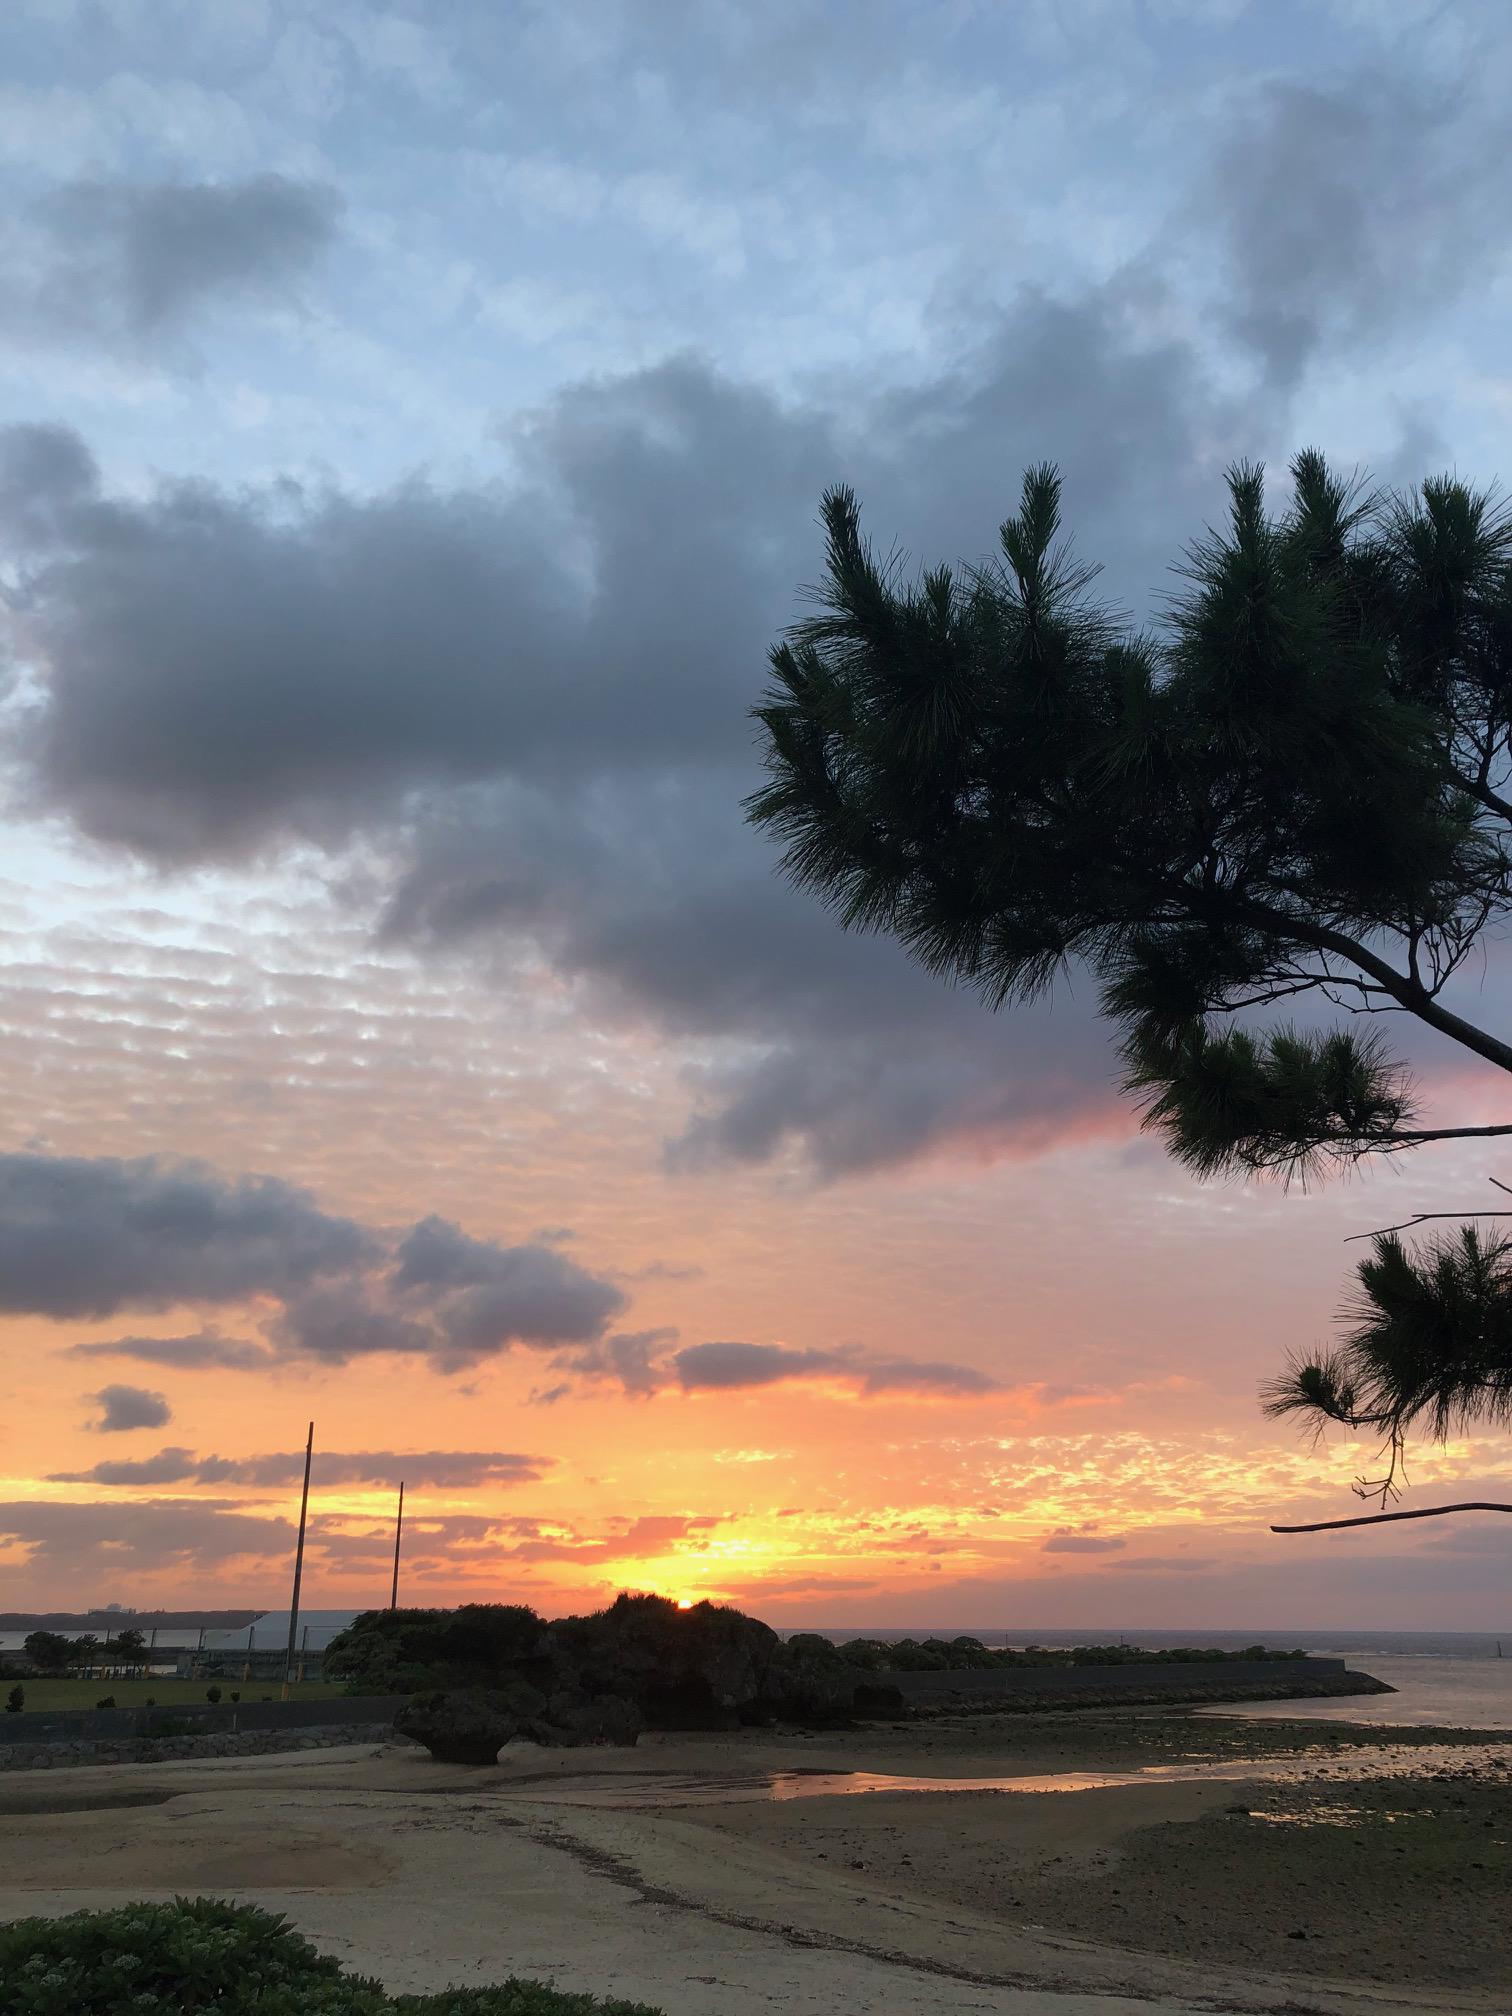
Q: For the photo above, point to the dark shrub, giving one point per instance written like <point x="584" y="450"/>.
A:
<point x="106" y="1701"/>
<point x="161" y="1959"/>
<point x="470" y="1726"/>
<point x="514" y="1998"/>
<point x="212" y="1695"/>
<point x="398" y="1651"/>
<point x="970" y="1653"/>
<point x="809" y="1645"/>
<point x="684" y="1669"/>
<point x="15" y="1701"/>
<point x="870" y="1654"/>
<point x="203" y="1954"/>
<point x="236" y="1694"/>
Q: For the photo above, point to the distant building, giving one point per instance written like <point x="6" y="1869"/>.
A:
<point x="260" y="1651"/>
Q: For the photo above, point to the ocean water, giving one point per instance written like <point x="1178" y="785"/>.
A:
<point x="1431" y="1694"/>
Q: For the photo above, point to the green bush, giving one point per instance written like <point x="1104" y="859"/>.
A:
<point x="106" y="1701"/>
<point x="513" y="1997"/>
<point x="158" y="1959"/>
<point x="212" y="1695"/>
<point x="204" y="1954"/>
<point x="15" y="1701"/>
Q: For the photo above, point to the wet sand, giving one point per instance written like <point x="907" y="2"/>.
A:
<point x="670" y="1874"/>
<point x="1396" y="1879"/>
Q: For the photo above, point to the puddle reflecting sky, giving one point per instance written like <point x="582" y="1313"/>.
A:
<point x="662" y="1789"/>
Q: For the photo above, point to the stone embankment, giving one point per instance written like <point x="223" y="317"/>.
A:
<point x="65" y="1756"/>
<point x="1031" y="1690"/>
<point x="54" y="1739"/>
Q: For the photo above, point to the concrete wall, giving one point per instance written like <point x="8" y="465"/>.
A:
<point x="1057" y="1681"/>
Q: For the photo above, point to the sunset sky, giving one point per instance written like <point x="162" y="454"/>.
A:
<point x="415" y="421"/>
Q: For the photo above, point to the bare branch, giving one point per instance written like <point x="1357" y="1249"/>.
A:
<point x="1382" y="1518"/>
<point x="1428" y="1217"/>
<point x="1424" y="1218"/>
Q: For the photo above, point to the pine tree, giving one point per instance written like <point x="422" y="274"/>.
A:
<point x="1299" y="791"/>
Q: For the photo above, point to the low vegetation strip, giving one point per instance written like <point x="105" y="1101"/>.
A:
<point x="203" y="1954"/>
<point x="966" y="1655"/>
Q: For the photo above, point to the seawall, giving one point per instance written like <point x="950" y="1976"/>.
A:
<point x="61" y="1737"/>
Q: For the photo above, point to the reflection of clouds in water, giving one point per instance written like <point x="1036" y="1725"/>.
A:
<point x="668" y="1789"/>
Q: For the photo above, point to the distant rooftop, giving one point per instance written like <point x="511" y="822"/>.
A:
<point x="122" y="1620"/>
<point x="271" y="1627"/>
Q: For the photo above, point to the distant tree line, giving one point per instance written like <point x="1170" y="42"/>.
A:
<point x="957" y="1655"/>
<point x="57" y="1656"/>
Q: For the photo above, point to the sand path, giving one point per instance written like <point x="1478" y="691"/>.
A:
<point x="428" y="1875"/>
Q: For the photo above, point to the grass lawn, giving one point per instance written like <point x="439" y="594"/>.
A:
<point x="167" y="1693"/>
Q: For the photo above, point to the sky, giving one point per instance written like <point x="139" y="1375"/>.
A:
<point x="412" y="428"/>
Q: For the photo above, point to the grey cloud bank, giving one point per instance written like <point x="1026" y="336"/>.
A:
<point x="731" y="1367"/>
<point x="93" y="1237"/>
<point x="126" y="1407"/>
<point x="439" y="1468"/>
<point x="128" y="265"/>
<point x="90" y="1237"/>
<point x="65" y="1536"/>
<point x="205" y="1350"/>
<point x="421" y="670"/>
<point x="526" y="699"/>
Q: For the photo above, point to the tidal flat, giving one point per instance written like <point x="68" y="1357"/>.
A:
<point x="1249" y="1865"/>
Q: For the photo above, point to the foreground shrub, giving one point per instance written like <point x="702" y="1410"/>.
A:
<point x="203" y="1954"/>
<point x="159" y="1959"/>
<point x="514" y="1998"/>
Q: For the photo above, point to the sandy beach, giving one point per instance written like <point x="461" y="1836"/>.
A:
<point x="1264" y="1866"/>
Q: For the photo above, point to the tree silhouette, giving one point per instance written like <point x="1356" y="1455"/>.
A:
<point x="130" y="1648"/>
<point x="48" y="1650"/>
<point x="1298" y="792"/>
